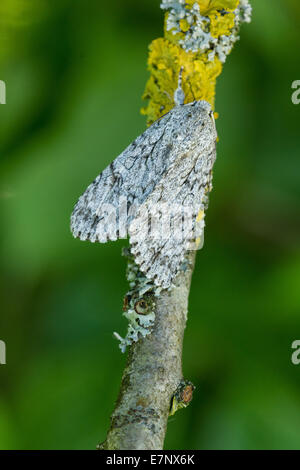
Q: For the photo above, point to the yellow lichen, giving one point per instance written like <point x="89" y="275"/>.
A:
<point x="166" y="57"/>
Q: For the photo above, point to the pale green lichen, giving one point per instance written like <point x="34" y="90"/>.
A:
<point x="139" y="304"/>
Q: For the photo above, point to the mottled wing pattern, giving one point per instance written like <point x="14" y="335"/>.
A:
<point x="162" y="178"/>
<point x="183" y="193"/>
<point x="129" y="179"/>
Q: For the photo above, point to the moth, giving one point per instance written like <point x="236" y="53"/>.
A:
<point x="155" y="190"/>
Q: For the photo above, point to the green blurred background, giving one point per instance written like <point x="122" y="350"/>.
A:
<point x="75" y="72"/>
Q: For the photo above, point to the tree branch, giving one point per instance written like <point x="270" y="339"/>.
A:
<point x="153" y="374"/>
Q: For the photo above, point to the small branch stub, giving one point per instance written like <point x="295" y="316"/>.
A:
<point x="182" y="397"/>
<point x="152" y="381"/>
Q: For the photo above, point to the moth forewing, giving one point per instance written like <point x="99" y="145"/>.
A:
<point x="163" y="179"/>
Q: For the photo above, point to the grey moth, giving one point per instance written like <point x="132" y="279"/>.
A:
<point x="154" y="191"/>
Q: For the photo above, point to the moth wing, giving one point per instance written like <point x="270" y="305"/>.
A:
<point x="106" y="208"/>
<point x="171" y="220"/>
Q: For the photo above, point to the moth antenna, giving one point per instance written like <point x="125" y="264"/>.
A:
<point x="191" y="88"/>
<point x="179" y="95"/>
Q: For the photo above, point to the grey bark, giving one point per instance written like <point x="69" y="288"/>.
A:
<point x="152" y="374"/>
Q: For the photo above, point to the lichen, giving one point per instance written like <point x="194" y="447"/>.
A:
<point x="198" y="36"/>
<point x="182" y="397"/>
<point x="139" y="304"/>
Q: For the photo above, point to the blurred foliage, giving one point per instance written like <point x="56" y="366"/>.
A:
<point x="75" y="73"/>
